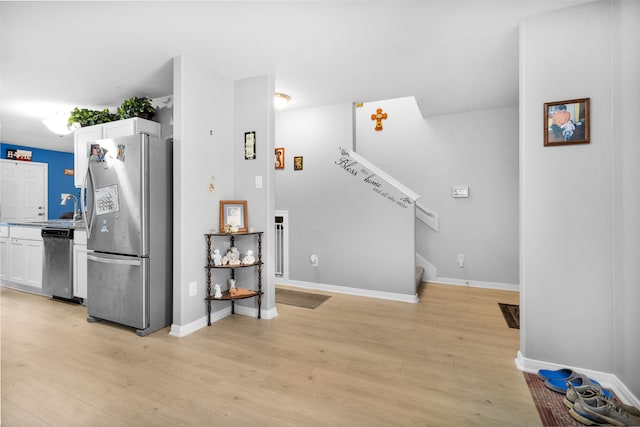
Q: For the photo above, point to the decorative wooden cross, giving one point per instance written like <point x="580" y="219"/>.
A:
<point x="379" y="116"/>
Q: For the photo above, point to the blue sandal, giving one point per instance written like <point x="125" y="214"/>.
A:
<point x="561" y="374"/>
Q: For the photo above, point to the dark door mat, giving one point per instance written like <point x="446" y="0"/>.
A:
<point x="511" y="313"/>
<point x="299" y="299"/>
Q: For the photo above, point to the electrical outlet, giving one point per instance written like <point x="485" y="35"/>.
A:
<point x="193" y="289"/>
<point x="460" y="260"/>
<point x="314" y="260"/>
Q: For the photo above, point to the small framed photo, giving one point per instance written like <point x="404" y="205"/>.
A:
<point x="249" y="145"/>
<point x="233" y="213"/>
<point x="279" y="158"/>
<point x="567" y="122"/>
<point x="297" y="163"/>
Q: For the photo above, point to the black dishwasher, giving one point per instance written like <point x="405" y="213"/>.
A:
<point x="58" y="263"/>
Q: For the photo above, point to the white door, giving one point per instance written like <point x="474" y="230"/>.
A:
<point x="9" y="192"/>
<point x="23" y="191"/>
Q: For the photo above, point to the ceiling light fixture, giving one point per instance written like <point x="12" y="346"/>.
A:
<point x="280" y="100"/>
<point x="59" y="124"/>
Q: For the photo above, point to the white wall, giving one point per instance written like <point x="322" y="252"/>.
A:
<point x="626" y="196"/>
<point x="363" y="241"/>
<point x="432" y="154"/>
<point x="579" y="205"/>
<point x="253" y="112"/>
<point x="203" y="131"/>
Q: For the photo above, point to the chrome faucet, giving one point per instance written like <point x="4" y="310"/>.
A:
<point x="76" y="214"/>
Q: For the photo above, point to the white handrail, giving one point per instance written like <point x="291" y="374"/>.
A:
<point x="427" y="216"/>
<point x="382" y="174"/>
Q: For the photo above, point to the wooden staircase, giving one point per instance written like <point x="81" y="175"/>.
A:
<point x="419" y="273"/>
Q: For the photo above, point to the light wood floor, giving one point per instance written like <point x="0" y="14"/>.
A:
<point x="352" y="361"/>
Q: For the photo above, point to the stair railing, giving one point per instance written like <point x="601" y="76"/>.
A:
<point x="427" y="216"/>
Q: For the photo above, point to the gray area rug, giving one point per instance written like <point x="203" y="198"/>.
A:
<point x="299" y="299"/>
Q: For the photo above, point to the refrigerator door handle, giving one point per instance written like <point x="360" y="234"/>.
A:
<point x="118" y="261"/>
<point x="83" y="206"/>
<point x="88" y="217"/>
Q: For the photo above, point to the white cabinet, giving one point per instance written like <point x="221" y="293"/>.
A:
<point x="25" y="257"/>
<point x="4" y="252"/>
<point x="131" y="126"/>
<point x="80" y="264"/>
<point x="84" y="137"/>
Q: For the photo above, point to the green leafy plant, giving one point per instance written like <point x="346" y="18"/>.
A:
<point x="136" y="107"/>
<point x="85" y="117"/>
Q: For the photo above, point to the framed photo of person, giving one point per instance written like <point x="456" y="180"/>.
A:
<point x="567" y="122"/>
<point x="279" y="158"/>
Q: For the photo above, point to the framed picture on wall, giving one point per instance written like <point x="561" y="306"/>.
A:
<point x="249" y="145"/>
<point x="567" y="122"/>
<point x="233" y="213"/>
<point x="297" y="163"/>
<point x="279" y="158"/>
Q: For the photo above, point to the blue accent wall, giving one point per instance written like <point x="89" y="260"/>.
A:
<point x="58" y="182"/>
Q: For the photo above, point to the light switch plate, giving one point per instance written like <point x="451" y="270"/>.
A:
<point x="258" y="181"/>
<point x="460" y="191"/>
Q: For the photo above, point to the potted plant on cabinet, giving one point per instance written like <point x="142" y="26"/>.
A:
<point x="85" y="117"/>
<point x="136" y="107"/>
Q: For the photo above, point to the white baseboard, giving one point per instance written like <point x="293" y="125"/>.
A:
<point x="180" y="331"/>
<point x="269" y="314"/>
<point x="607" y="380"/>
<point x="477" y="284"/>
<point x="392" y="296"/>
<point x="184" y="330"/>
<point x="253" y="312"/>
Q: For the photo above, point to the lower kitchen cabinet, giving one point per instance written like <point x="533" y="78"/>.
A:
<point x="22" y="259"/>
<point x="4" y="252"/>
<point x="25" y="257"/>
<point x="80" y="264"/>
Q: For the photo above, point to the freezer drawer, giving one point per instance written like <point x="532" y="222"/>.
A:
<point x="117" y="289"/>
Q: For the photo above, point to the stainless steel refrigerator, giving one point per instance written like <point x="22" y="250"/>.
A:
<point x="129" y="232"/>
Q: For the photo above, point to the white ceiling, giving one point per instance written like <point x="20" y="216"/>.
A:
<point x="451" y="55"/>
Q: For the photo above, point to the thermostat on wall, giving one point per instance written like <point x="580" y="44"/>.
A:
<point x="460" y="191"/>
